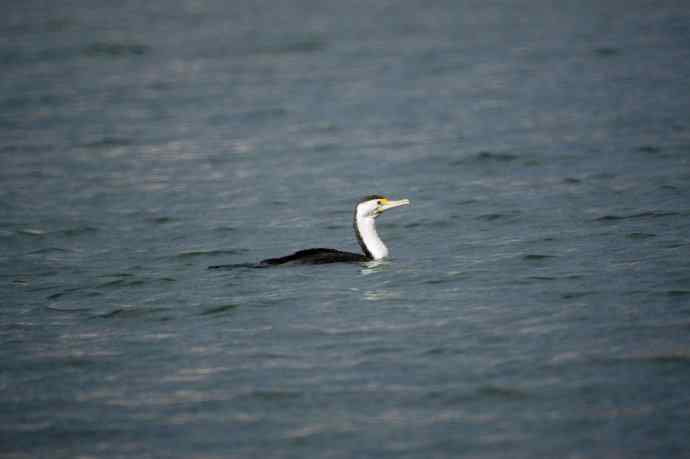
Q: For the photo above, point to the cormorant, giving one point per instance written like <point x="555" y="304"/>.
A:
<point x="373" y="248"/>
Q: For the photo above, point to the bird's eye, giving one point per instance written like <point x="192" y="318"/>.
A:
<point x="378" y="202"/>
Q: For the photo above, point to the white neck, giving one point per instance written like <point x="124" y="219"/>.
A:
<point x="369" y="238"/>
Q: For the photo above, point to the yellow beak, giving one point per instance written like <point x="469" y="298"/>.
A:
<point x="387" y="204"/>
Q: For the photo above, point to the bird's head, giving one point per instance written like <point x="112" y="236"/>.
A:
<point x="374" y="205"/>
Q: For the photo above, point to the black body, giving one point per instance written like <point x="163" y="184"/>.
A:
<point x="317" y="256"/>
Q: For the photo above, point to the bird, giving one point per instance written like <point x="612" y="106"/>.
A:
<point x="367" y="209"/>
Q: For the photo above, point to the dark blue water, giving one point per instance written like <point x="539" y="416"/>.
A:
<point x="537" y="301"/>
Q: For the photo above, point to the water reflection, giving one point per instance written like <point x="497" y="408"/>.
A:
<point x="374" y="266"/>
<point x="382" y="294"/>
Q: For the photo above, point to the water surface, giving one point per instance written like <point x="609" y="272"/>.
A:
<point x="537" y="302"/>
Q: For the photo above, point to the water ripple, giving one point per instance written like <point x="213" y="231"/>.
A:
<point x="639" y="215"/>
<point x="209" y="253"/>
<point x="114" y="49"/>
<point x="219" y="309"/>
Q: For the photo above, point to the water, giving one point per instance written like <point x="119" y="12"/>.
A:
<point x="537" y="302"/>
